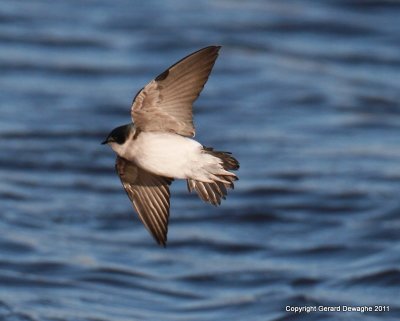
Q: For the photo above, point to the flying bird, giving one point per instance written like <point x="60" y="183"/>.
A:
<point x="158" y="146"/>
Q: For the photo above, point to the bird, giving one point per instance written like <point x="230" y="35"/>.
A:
<point x="157" y="146"/>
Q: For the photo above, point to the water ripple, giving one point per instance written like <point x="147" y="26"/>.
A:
<point x="304" y="94"/>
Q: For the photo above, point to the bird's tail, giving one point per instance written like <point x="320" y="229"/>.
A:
<point x="219" y="177"/>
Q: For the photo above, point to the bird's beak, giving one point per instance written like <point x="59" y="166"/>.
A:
<point x="105" y="142"/>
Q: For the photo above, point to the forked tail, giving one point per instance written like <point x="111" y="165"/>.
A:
<point x="220" y="177"/>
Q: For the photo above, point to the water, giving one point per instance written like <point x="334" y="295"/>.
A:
<point x="305" y="94"/>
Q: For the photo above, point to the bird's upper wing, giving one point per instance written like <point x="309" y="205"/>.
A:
<point x="149" y="194"/>
<point x="165" y="104"/>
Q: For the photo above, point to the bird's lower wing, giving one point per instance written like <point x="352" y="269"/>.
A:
<point x="149" y="194"/>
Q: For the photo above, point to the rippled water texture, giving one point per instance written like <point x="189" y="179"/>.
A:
<point x="305" y="94"/>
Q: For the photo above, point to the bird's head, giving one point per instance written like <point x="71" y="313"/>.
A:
<point x="118" y="135"/>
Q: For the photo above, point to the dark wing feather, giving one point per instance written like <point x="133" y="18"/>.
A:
<point x="165" y="104"/>
<point x="149" y="194"/>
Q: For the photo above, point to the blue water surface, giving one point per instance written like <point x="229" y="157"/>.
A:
<point x="305" y="94"/>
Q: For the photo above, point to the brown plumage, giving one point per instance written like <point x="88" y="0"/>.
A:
<point x="165" y="104"/>
<point x="149" y="194"/>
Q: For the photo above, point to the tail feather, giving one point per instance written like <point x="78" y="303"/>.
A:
<point x="212" y="192"/>
<point x="228" y="162"/>
<point x="208" y="192"/>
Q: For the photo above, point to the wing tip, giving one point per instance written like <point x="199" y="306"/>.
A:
<point x="162" y="242"/>
<point x="161" y="238"/>
<point x="215" y="48"/>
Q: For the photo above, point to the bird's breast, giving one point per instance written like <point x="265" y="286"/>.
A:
<point x="164" y="154"/>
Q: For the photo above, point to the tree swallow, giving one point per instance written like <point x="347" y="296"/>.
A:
<point x="157" y="147"/>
